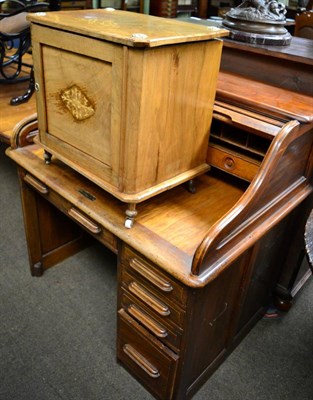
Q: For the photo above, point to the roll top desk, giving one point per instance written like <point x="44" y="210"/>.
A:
<point x="196" y="271"/>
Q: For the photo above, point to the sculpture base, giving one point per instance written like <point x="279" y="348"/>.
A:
<point x="257" y="32"/>
<point x="257" y="38"/>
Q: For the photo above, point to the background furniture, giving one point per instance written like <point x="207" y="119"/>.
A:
<point x="172" y="8"/>
<point x="127" y="5"/>
<point x="304" y="25"/>
<point x="12" y="117"/>
<point x="15" y="43"/>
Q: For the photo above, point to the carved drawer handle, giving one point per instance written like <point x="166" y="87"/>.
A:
<point x="152" y="277"/>
<point x="36" y="184"/>
<point x="148" y="322"/>
<point x="87" y="223"/>
<point x="149" y="299"/>
<point x="144" y="364"/>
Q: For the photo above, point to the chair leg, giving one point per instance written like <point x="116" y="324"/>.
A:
<point x="15" y="101"/>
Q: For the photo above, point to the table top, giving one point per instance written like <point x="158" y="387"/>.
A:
<point x="130" y="29"/>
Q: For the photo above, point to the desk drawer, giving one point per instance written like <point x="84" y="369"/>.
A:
<point x="164" y="311"/>
<point x="159" y="327"/>
<point x="232" y="163"/>
<point x="152" y="363"/>
<point x="150" y="275"/>
<point x="91" y="226"/>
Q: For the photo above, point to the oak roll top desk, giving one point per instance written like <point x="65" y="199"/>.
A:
<point x="197" y="270"/>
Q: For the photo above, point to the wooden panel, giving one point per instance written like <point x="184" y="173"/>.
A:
<point x="78" y="101"/>
<point x="183" y="94"/>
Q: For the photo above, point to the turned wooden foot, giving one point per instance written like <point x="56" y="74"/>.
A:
<point x="190" y="186"/>
<point x="47" y="157"/>
<point x="131" y="214"/>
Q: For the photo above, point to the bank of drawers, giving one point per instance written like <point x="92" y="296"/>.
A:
<point x="151" y="322"/>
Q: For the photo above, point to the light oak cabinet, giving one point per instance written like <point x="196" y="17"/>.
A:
<point x="126" y="99"/>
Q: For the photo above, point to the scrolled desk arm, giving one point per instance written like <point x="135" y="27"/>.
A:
<point x="283" y="182"/>
<point x="24" y="132"/>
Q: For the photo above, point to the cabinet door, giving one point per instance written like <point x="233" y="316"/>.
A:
<point x="80" y="91"/>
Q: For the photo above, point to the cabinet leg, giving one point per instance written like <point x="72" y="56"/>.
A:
<point x="47" y="157"/>
<point x="37" y="269"/>
<point x="190" y="186"/>
<point x="131" y="214"/>
<point x="283" y="300"/>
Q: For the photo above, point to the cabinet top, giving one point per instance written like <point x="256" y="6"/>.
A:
<point x="127" y="28"/>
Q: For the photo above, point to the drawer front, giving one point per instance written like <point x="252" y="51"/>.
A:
<point x="153" y="364"/>
<point x="232" y="164"/>
<point x="149" y="274"/>
<point x="91" y="226"/>
<point x="164" y="311"/>
<point x="159" y="327"/>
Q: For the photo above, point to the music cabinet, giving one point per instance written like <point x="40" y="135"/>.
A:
<point x="125" y="99"/>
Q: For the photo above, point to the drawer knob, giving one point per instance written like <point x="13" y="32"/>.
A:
<point x="229" y="163"/>
<point x="141" y="361"/>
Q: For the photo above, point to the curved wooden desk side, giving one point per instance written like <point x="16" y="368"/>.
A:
<point x="308" y="237"/>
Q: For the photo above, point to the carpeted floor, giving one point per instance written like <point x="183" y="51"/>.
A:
<point x="57" y="332"/>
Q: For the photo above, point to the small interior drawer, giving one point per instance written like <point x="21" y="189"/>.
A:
<point x="165" y="332"/>
<point x="152" y="363"/>
<point x="232" y="163"/>
<point x="149" y="274"/>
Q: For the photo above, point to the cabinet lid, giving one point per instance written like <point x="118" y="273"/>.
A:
<point x="127" y="28"/>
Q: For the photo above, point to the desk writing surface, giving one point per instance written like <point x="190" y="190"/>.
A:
<point x="169" y="227"/>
